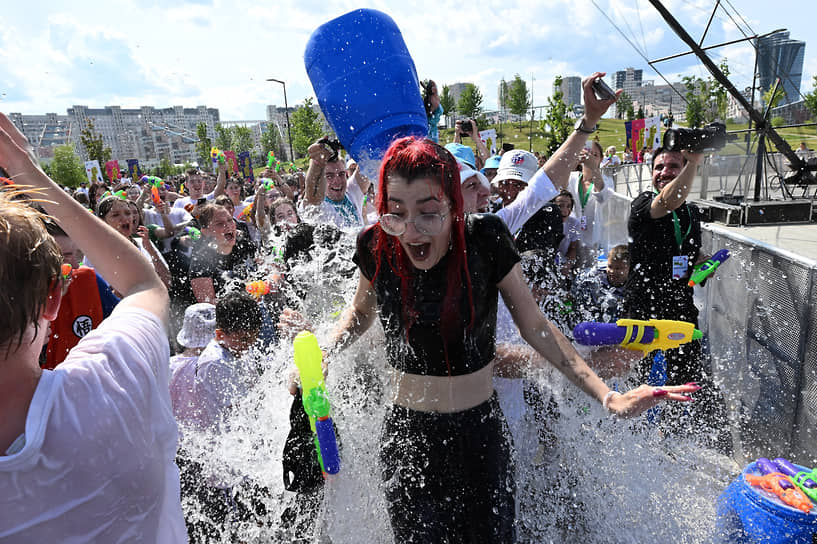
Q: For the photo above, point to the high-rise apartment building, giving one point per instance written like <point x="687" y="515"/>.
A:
<point x="571" y="89"/>
<point x="628" y="79"/>
<point x="780" y="56"/>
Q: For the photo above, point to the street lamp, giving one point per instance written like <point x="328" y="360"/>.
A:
<point x="286" y="110"/>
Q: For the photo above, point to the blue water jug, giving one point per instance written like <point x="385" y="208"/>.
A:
<point x="747" y="515"/>
<point x="366" y="84"/>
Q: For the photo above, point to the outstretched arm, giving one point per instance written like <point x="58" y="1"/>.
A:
<point x="356" y="319"/>
<point x="545" y="338"/>
<point x="564" y="160"/>
<point x="116" y="259"/>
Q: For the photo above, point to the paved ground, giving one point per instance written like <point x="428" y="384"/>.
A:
<point x="799" y="239"/>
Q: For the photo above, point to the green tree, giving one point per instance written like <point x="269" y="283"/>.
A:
<point x="771" y="98"/>
<point x="555" y="126"/>
<point x="518" y="96"/>
<point x="623" y="104"/>
<point x="470" y="104"/>
<point x="270" y="141"/>
<point x="811" y="98"/>
<point x="718" y="96"/>
<point x="242" y="139"/>
<point x="165" y="169"/>
<point x="224" y="138"/>
<point x="696" y="89"/>
<point x="306" y="127"/>
<point x="203" y="145"/>
<point x="94" y="145"/>
<point x="640" y="113"/>
<point x="67" y="168"/>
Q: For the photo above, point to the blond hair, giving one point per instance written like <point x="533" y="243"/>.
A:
<point x="30" y="261"/>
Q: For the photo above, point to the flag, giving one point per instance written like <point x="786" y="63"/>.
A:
<point x="245" y="163"/>
<point x="112" y="170"/>
<point x="94" y="172"/>
<point x="134" y="171"/>
<point x="230" y="156"/>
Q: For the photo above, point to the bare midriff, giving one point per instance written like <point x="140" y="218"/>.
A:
<point x="445" y="394"/>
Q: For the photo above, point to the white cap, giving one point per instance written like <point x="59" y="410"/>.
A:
<point x="516" y="164"/>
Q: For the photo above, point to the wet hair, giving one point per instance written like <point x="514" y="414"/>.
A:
<point x="30" y="261"/>
<point x="104" y="206"/>
<point x="237" y="311"/>
<point x="282" y="201"/>
<point x="620" y="253"/>
<point x="414" y="158"/>
<point x="660" y="151"/>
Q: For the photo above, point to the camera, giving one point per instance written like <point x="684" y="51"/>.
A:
<point x="331" y="145"/>
<point x="465" y="126"/>
<point x="709" y="138"/>
<point x="603" y="90"/>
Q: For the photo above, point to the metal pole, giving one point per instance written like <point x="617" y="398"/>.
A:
<point x="760" y="122"/>
<point x="286" y="110"/>
<point x="532" y="115"/>
<point x="289" y="129"/>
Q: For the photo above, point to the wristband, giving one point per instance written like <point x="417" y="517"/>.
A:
<point x="606" y="401"/>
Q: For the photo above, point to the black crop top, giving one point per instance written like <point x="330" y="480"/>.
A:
<point x="491" y="255"/>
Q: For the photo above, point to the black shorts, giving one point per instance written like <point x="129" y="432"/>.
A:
<point x="449" y="477"/>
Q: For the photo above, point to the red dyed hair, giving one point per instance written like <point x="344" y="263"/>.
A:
<point x="414" y="158"/>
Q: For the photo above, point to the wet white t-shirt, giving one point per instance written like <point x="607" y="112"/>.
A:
<point x="100" y="442"/>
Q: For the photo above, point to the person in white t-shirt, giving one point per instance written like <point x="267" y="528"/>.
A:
<point x="590" y="189"/>
<point x="195" y="182"/>
<point x="331" y="197"/>
<point x="86" y="450"/>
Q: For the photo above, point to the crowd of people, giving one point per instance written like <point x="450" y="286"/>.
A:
<point x="123" y="325"/>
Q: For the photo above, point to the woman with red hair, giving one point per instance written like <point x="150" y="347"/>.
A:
<point x="433" y="274"/>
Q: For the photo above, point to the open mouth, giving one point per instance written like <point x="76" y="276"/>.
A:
<point x="419" y="251"/>
<point x="229" y="236"/>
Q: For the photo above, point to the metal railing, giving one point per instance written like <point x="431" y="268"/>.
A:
<point x="718" y="175"/>
<point x="759" y="317"/>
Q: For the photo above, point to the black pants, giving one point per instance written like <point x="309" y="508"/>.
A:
<point x="449" y="477"/>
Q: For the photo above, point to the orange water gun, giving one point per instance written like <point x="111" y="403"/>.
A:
<point x="258" y="288"/>
<point x="792" y="496"/>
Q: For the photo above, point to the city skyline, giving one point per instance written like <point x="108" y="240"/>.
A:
<point x="71" y="56"/>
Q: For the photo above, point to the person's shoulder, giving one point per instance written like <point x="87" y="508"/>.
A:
<point x="642" y="200"/>
<point x="478" y="223"/>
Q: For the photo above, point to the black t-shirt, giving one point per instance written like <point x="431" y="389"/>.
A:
<point x="491" y="255"/>
<point x="543" y="230"/>
<point x="651" y="290"/>
<point x="207" y="262"/>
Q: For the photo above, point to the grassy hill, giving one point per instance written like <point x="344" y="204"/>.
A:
<point x="611" y="132"/>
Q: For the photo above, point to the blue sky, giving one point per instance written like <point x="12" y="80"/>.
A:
<point x="211" y="52"/>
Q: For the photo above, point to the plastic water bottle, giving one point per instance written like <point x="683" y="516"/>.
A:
<point x="366" y="84"/>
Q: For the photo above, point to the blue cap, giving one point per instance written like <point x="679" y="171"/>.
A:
<point x="463" y="153"/>
<point x="492" y="162"/>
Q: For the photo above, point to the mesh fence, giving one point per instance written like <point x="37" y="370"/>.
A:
<point x="759" y="319"/>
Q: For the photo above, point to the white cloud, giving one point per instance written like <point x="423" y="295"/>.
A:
<point x="219" y="53"/>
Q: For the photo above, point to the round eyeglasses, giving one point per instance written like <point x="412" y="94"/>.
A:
<point x="429" y="224"/>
